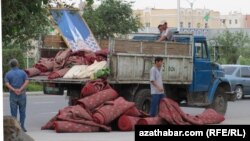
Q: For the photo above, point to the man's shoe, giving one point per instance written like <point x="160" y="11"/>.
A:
<point x="24" y="130"/>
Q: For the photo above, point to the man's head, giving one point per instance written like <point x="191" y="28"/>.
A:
<point x="165" y="25"/>
<point x="13" y="63"/>
<point x="160" y="27"/>
<point x="158" y="61"/>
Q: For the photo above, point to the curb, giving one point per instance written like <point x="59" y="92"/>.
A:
<point x="28" y="93"/>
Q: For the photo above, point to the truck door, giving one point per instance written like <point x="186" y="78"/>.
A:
<point x="202" y="66"/>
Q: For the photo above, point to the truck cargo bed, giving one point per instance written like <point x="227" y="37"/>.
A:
<point x="44" y="79"/>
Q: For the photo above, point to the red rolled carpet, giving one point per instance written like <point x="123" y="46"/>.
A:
<point x="210" y="116"/>
<point x="58" y="73"/>
<point x="150" y="121"/>
<point x="101" y="55"/>
<point x="44" y="73"/>
<point x="172" y="113"/>
<point x="69" y="127"/>
<point x="90" y="57"/>
<point x="58" y="66"/>
<point x="168" y="110"/>
<point x="95" y="100"/>
<point x="94" y="86"/>
<point x="83" y="121"/>
<point x="75" y="112"/>
<point x="107" y="113"/>
<point x="127" y="123"/>
<point x="62" y="55"/>
<point x="45" y="64"/>
<point x="133" y="111"/>
<point x="50" y="123"/>
<point x="32" y="72"/>
<point x="75" y="60"/>
<point x="60" y="59"/>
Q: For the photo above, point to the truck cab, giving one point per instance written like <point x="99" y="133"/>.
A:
<point x="209" y="87"/>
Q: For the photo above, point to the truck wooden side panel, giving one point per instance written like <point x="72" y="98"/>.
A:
<point x="131" y="61"/>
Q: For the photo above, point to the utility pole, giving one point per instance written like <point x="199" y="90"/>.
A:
<point x="178" y="15"/>
<point x="191" y="5"/>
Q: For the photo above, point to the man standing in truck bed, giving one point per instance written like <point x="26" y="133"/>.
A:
<point x="156" y="86"/>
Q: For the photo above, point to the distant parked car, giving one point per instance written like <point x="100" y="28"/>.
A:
<point x="239" y="77"/>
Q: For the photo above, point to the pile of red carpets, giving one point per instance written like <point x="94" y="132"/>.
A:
<point x="58" y="66"/>
<point x="98" y="109"/>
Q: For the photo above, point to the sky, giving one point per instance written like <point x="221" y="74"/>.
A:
<point x="223" y="6"/>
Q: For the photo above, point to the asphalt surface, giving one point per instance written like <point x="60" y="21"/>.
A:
<point x="41" y="108"/>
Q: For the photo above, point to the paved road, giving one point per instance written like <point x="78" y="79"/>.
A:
<point x="41" y="108"/>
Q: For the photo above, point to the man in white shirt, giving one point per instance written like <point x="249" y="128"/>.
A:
<point x="165" y="33"/>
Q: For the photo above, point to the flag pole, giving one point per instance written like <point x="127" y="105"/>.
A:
<point x="178" y="15"/>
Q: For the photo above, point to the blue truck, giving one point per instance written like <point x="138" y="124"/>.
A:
<point x="189" y="76"/>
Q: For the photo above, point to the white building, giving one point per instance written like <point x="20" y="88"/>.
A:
<point x="233" y="20"/>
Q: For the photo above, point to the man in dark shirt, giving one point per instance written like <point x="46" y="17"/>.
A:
<point x="16" y="81"/>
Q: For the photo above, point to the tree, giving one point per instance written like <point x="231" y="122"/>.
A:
<point x="112" y="17"/>
<point x="231" y="44"/>
<point x="23" y="20"/>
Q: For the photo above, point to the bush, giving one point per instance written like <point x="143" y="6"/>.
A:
<point x="34" y="87"/>
<point x="9" y="54"/>
<point x="243" y="60"/>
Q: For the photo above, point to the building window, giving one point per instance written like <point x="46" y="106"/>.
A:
<point x="223" y="21"/>
<point x="236" y="22"/>
<point x="181" y="24"/>
<point x="230" y="21"/>
<point x="147" y="24"/>
<point x="189" y="24"/>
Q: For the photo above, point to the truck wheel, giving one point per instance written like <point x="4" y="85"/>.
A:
<point x="219" y="103"/>
<point x="142" y="100"/>
<point x="172" y="94"/>
<point x="239" y="92"/>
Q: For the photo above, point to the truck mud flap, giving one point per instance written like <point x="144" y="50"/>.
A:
<point x="52" y="89"/>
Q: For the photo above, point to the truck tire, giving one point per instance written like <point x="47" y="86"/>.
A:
<point x="143" y="99"/>
<point x="72" y="101"/>
<point x="219" y="102"/>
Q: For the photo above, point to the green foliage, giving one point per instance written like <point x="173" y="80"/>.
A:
<point x="102" y="73"/>
<point x="231" y="45"/>
<point x="111" y="18"/>
<point x="9" y="54"/>
<point x="243" y="60"/>
<point x="23" y="20"/>
<point x="34" y="87"/>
